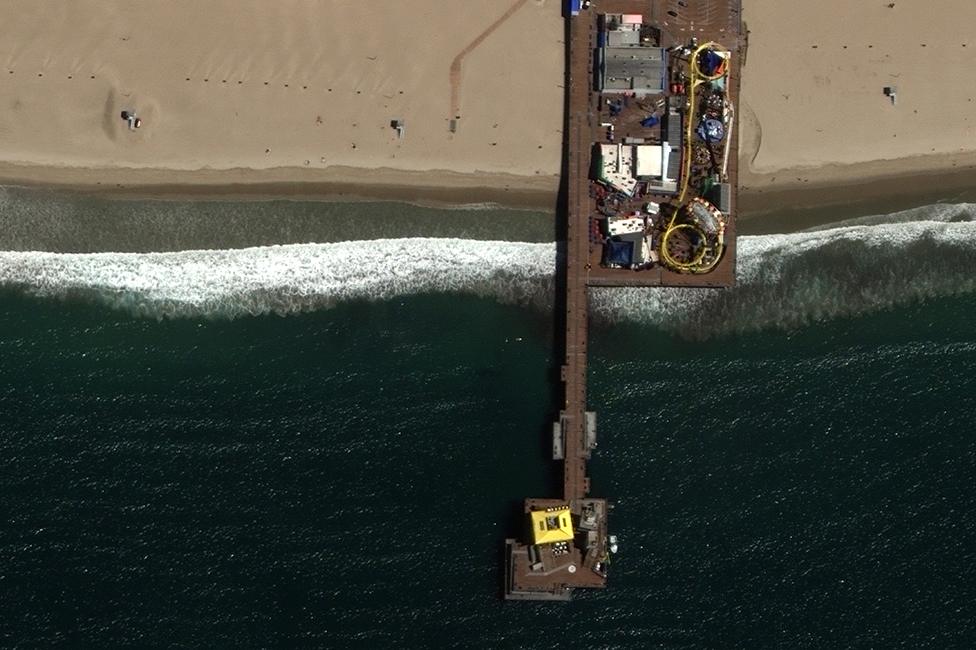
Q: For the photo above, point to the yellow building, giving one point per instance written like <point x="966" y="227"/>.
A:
<point x="552" y="525"/>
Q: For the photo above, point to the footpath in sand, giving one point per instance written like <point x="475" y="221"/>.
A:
<point x="283" y="91"/>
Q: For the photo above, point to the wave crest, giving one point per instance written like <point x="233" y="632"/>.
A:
<point x="786" y="281"/>
<point x="783" y="281"/>
<point x="285" y="279"/>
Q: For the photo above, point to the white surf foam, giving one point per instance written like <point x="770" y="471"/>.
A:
<point x="945" y="212"/>
<point x="783" y="281"/>
<point x="285" y="279"/>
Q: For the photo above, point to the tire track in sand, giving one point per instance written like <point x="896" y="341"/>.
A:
<point x="456" y="64"/>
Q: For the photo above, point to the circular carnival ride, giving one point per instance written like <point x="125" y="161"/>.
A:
<point x="694" y="239"/>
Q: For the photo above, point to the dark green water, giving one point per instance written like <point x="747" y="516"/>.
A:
<point x="346" y="477"/>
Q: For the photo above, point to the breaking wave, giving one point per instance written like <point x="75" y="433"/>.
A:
<point x="285" y="279"/>
<point x="941" y="212"/>
<point x="783" y="281"/>
<point x="786" y="281"/>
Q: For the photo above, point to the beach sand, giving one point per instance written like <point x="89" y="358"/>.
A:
<point x="296" y="98"/>
<point x="237" y="91"/>
<point x="813" y="110"/>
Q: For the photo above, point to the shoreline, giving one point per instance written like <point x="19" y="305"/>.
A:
<point x="289" y="183"/>
<point x="880" y="179"/>
<point x="792" y="199"/>
<point x="837" y="193"/>
<point x="279" y="108"/>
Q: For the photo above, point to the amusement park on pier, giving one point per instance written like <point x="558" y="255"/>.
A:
<point x="651" y="166"/>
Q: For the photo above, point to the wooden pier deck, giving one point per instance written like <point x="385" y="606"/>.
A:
<point x="706" y="20"/>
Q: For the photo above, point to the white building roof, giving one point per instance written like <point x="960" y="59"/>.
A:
<point x="626" y="225"/>
<point x="650" y="160"/>
<point x="616" y="167"/>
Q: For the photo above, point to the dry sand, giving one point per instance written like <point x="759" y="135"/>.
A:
<point x="298" y="96"/>
<point x="282" y="91"/>
<point x="813" y="109"/>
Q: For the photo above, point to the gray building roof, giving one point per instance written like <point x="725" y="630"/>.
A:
<point x="623" y="38"/>
<point x="672" y="120"/>
<point x="674" y="163"/>
<point x="640" y="69"/>
<point x="720" y="196"/>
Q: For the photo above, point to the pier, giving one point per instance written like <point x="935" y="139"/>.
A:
<point x="651" y="90"/>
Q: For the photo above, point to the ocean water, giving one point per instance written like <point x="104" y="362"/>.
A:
<point x="324" y="444"/>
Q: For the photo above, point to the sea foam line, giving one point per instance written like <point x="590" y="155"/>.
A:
<point x="786" y="281"/>
<point x="783" y="281"/>
<point x="285" y="279"/>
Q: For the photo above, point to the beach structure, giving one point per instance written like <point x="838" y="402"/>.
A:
<point x="623" y="167"/>
<point x="626" y="61"/>
<point x="551" y="525"/>
<point x="651" y="193"/>
<point x="664" y="97"/>
<point x="130" y="118"/>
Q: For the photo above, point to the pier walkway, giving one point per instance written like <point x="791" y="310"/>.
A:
<point x="537" y="570"/>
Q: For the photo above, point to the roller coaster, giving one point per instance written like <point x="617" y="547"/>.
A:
<point x="694" y="239"/>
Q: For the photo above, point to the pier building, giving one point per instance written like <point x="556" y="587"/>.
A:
<point x="651" y="144"/>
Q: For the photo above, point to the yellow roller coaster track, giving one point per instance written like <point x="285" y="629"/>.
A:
<point x="697" y="77"/>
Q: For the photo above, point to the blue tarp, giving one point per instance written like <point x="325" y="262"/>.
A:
<point x="573" y="6"/>
<point x="620" y="253"/>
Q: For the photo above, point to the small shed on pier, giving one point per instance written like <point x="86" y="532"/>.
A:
<point x="551" y="525"/>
